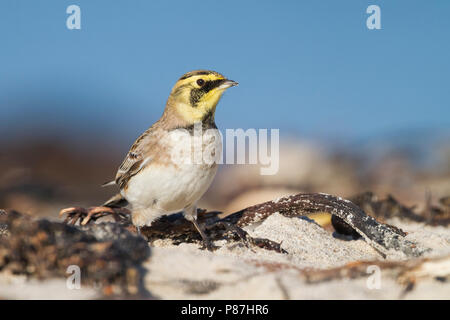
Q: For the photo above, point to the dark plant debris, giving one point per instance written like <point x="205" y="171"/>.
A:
<point x="108" y="255"/>
<point x="382" y="237"/>
<point x="389" y="207"/>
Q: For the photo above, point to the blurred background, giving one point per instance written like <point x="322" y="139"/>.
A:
<point x="358" y="109"/>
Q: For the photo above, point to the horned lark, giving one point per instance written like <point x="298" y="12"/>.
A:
<point x="150" y="178"/>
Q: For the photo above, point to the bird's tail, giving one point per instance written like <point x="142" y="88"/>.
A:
<point x="109" y="183"/>
<point x="117" y="201"/>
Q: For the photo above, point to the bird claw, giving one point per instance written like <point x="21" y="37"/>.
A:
<point x="241" y="233"/>
<point x="84" y="216"/>
<point x="249" y="241"/>
<point x="208" y="245"/>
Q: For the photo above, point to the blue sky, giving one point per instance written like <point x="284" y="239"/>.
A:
<point x="307" y="67"/>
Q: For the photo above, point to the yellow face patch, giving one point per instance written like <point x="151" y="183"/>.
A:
<point x="196" y="96"/>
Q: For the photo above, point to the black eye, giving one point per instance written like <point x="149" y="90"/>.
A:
<point x="200" y="82"/>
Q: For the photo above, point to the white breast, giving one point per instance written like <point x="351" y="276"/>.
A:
<point x="171" y="187"/>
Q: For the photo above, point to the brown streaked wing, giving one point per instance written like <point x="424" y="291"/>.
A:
<point x="129" y="167"/>
<point x="135" y="160"/>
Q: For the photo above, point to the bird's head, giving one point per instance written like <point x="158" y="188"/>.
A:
<point x="196" y="94"/>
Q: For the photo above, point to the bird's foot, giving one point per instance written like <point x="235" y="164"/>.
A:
<point x="233" y="229"/>
<point x="249" y="241"/>
<point x="208" y="245"/>
<point x="86" y="215"/>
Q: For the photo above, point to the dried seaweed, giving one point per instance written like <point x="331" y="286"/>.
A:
<point x="110" y="255"/>
<point x="406" y="273"/>
<point x="381" y="236"/>
<point x="390" y="207"/>
<point x="107" y="254"/>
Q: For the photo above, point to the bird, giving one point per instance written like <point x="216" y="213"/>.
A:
<point x="161" y="174"/>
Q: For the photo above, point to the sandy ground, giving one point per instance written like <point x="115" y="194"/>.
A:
<point x="237" y="272"/>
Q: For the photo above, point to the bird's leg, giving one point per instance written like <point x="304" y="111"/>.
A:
<point x="84" y="216"/>
<point x="206" y="241"/>
<point x="190" y="214"/>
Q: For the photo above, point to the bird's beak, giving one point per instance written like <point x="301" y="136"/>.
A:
<point x="227" y="84"/>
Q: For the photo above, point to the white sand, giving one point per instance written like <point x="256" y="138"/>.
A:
<point x="236" y="272"/>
